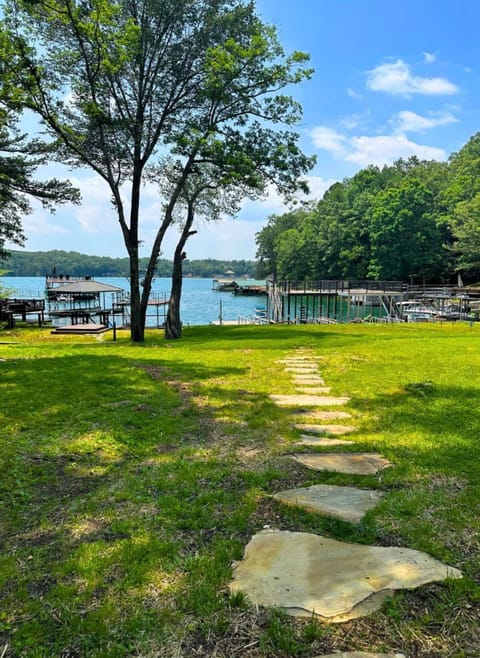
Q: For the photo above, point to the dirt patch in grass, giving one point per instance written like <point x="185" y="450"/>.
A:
<point x="259" y="633"/>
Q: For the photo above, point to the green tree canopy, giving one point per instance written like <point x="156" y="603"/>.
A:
<point x="19" y="161"/>
<point x="119" y="84"/>
<point x="389" y="223"/>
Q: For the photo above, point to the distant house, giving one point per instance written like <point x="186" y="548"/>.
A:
<point x="225" y="285"/>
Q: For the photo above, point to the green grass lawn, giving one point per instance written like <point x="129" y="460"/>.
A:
<point x="131" y="477"/>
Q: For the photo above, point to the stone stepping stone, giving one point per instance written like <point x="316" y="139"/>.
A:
<point x="302" y="370"/>
<point x="315" y="379"/>
<point x="307" y="574"/>
<point x="325" y="429"/>
<point x="346" y="503"/>
<point x="314" y="390"/>
<point x="308" y="400"/>
<point x="322" y="415"/>
<point x="299" y="361"/>
<point x="304" y="373"/>
<point x="322" y="441"/>
<point x="352" y="463"/>
<point x="361" y="654"/>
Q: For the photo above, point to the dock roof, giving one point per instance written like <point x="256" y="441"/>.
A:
<point x="86" y="287"/>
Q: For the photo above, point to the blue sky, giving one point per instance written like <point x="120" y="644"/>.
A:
<point x="392" y="79"/>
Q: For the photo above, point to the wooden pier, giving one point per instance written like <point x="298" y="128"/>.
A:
<point x="329" y="301"/>
<point x="12" y="309"/>
<point x="84" y="301"/>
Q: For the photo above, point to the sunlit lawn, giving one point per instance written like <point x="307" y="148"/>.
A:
<point x="131" y="477"/>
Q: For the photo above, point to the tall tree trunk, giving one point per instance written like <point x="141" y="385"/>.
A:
<point x="137" y="318"/>
<point x="137" y="312"/>
<point x="167" y="220"/>
<point x="173" y="323"/>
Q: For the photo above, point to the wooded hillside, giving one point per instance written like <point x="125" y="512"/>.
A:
<point x="40" y="263"/>
<point x="413" y="221"/>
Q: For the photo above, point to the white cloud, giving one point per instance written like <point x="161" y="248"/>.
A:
<point x="354" y="94"/>
<point x="385" y="149"/>
<point x="396" y="78"/>
<point x="43" y="222"/>
<point x="95" y="211"/>
<point x="226" y="239"/>
<point x="355" y="120"/>
<point x="274" y="203"/>
<point x="429" y="58"/>
<point x="318" y="186"/>
<point x="329" y="140"/>
<point x="377" y="150"/>
<point x="407" y="121"/>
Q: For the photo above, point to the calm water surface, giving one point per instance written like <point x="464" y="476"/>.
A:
<point x="200" y="304"/>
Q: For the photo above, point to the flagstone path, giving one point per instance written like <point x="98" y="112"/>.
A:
<point x="320" y="390"/>
<point x="308" y="400"/>
<point x="325" y="429"/>
<point x="318" y="440"/>
<point x="359" y="463"/>
<point x="347" y="503"/>
<point x="304" y="378"/>
<point x="303" y="370"/>
<point x="320" y="415"/>
<point x="361" y="654"/>
<point x="309" y="574"/>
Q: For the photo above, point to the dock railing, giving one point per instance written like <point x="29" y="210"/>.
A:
<point x="333" y="286"/>
<point x="336" y="286"/>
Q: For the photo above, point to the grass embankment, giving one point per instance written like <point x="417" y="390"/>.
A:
<point x="132" y="477"/>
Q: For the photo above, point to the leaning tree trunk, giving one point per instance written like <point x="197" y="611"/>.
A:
<point x="173" y="323"/>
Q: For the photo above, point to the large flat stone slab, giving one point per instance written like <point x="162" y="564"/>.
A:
<point x="303" y="370"/>
<point x="322" y="441"/>
<point x="299" y="363"/>
<point x="308" y="400"/>
<point x="353" y="463"/>
<point x="314" y="390"/>
<point x="361" y="654"/>
<point x="310" y="380"/>
<point x="311" y="414"/>
<point x="309" y="574"/>
<point x="346" y="503"/>
<point x="325" y="429"/>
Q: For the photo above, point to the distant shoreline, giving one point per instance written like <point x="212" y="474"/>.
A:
<point x="72" y="263"/>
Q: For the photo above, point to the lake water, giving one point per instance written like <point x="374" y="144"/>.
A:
<point x="200" y="304"/>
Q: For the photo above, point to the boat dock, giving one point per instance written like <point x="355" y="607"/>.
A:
<point x="87" y="304"/>
<point x="12" y="309"/>
<point x="388" y="301"/>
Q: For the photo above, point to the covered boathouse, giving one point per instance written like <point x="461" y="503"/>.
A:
<point x="83" y="305"/>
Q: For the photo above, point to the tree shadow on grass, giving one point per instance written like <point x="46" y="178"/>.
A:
<point x="123" y="511"/>
<point x="429" y="425"/>
<point x="115" y="507"/>
<point x="279" y="337"/>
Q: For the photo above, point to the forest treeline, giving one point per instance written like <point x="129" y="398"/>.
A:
<point x="72" y="263"/>
<point x="412" y="221"/>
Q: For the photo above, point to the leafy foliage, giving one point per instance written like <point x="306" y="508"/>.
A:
<point x="40" y="263"/>
<point x="120" y="84"/>
<point x="19" y="160"/>
<point x="415" y="220"/>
